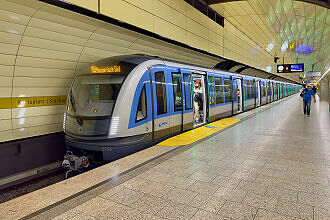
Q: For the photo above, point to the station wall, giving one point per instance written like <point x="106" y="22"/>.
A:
<point x="176" y="19"/>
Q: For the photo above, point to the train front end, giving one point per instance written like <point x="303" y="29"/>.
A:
<point x="90" y="104"/>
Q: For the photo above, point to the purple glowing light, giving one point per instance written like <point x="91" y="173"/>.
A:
<point x="303" y="48"/>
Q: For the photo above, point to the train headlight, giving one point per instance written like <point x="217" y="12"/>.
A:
<point x="64" y="120"/>
<point x="114" y="125"/>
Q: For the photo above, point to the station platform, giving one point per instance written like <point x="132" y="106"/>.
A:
<point x="268" y="163"/>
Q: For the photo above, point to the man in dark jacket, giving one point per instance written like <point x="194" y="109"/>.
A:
<point x="307" y="99"/>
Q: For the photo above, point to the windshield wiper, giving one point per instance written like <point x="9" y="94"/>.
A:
<point x="73" y="104"/>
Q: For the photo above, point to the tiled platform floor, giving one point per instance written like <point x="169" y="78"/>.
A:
<point x="275" y="165"/>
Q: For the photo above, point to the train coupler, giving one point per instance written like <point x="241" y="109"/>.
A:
<point x="73" y="162"/>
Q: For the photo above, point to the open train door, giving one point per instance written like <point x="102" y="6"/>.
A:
<point x="187" y="112"/>
<point x="200" y="98"/>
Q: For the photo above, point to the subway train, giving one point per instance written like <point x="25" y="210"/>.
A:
<point x="123" y="104"/>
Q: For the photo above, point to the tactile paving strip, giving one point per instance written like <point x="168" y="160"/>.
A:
<point x="199" y="133"/>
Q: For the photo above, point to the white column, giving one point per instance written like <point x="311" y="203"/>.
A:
<point x="324" y="91"/>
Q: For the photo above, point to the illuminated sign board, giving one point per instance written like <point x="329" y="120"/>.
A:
<point x="106" y="69"/>
<point x="311" y="73"/>
<point x="297" y="68"/>
<point x="289" y="68"/>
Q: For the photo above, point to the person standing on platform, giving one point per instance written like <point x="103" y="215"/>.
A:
<point x="314" y="89"/>
<point x="307" y="99"/>
<point x="197" y="100"/>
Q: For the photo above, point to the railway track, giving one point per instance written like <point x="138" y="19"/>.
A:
<point x="31" y="185"/>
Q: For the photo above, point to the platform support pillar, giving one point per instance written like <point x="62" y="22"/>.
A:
<point x="324" y="91"/>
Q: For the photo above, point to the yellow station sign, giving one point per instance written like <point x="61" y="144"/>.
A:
<point x="23" y="102"/>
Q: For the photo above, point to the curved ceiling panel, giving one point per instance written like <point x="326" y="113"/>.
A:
<point x="294" y="31"/>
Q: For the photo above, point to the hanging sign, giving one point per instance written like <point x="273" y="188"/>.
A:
<point x="289" y="68"/>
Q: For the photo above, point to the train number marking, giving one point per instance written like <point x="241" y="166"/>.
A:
<point x="163" y="123"/>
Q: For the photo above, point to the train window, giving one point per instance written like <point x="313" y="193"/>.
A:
<point x="211" y="87"/>
<point x="161" y="93"/>
<point x="253" y="89"/>
<point x="141" y="112"/>
<point x="269" y="89"/>
<point x="276" y="88"/>
<point x="227" y="86"/>
<point x="187" y="90"/>
<point x="177" y="91"/>
<point x="102" y="92"/>
<point x="99" y="91"/>
<point x="287" y="89"/>
<point x="250" y="88"/>
<point x="219" y="90"/>
<point x="279" y="90"/>
<point x="246" y="89"/>
<point x="263" y="89"/>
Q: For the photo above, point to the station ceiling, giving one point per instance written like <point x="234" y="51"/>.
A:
<point x="296" y="31"/>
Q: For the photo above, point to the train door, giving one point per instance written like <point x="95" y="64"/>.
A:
<point x="199" y="94"/>
<point x="211" y="95"/>
<point x="279" y="90"/>
<point x="272" y="90"/>
<point x="187" y="89"/>
<point x="269" y="92"/>
<point x="176" y="113"/>
<point x="238" y="95"/>
<point x="266" y="94"/>
<point x="161" y="108"/>
<point x="263" y="92"/>
<point x="258" y="98"/>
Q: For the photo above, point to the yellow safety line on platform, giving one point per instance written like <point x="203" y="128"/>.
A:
<point x="199" y="133"/>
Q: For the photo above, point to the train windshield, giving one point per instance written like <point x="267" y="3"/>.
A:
<point x="95" y="95"/>
<point x="91" y="101"/>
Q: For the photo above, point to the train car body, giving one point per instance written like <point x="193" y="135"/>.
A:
<point x="124" y="104"/>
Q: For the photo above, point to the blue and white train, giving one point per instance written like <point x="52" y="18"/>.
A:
<point x="123" y="104"/>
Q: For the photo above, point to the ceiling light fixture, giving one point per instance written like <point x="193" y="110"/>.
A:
<point x="284" y="46"/>
<point x="270" y="47"/>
